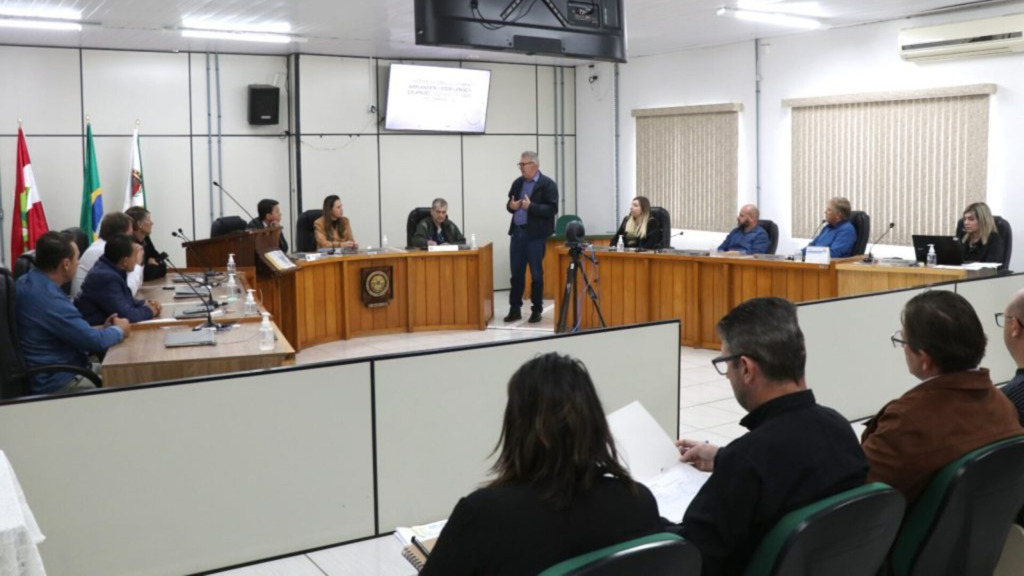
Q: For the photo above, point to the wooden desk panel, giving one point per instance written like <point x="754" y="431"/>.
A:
<point x="645" y="287"/>
<point x="856" y="278"/>
<point x="142" y="357"/>
<point x="322" y="301"/>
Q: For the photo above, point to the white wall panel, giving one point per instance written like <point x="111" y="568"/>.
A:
<point x="336" y="94"/>
<point x="237" y="72"/>
<point x="57" y="164"/>
<point x="549" y="110"/>
<point x="122" y="87"/>
<point x="548" y="145"/>
<point x="413" y="171"/>
<point x="43" y="89"/>
<point x="596" y="154"/>
<point x="346" y="166"/>
<point x="489" y="164"/>
<point x="512" y="102"/>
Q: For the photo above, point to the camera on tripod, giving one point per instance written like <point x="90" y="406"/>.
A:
<point x="575" y="240"/>
<point x="575" y="236"/>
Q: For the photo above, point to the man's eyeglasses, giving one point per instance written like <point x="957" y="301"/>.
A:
<point x="521" y="164"/>
<point x="1001" y="319"/>
<point x="720" y="362"/>
<point x="897" y="339"/>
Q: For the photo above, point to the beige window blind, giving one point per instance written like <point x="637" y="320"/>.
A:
<point x="913" y="158"/>
<point x="687" y="162"/>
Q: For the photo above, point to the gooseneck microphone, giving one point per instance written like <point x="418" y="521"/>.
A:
<point x="871" y="257"/>
<point x="210" y="305"/>
<point x="235" y="200"/>
<point x="199" y="258"/>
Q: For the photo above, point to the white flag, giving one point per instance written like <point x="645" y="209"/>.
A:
<point x="135" y="191"/>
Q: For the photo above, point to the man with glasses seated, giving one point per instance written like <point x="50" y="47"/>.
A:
<point x="1012" y="322"/>
<point x="955" y="408"/>
<point x="797" y="452"/>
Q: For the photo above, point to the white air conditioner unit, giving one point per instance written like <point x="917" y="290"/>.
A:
<point x="1003" y="35"/>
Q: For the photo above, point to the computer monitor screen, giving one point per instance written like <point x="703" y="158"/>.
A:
<point x="437" y="99"/>
<point x="590" y="29"/>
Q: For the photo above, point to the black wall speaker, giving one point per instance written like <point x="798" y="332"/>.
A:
<point x="264" y="101"/>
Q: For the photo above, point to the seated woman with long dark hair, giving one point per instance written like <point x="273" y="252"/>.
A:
<point x="639" y="229"/>
<point x="332" y="230"/>
<point x="559" y="490"/>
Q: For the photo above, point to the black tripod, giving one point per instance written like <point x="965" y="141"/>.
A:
<point x="571" y="290"/>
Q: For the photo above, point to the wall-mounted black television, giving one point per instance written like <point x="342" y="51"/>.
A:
<point x="437" y="99"/>
<point x="589" y="29"/>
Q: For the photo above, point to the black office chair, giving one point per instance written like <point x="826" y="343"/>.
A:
<point x="665" y="221"/>
<point x="305" y="241"/>
<point x="25" y="262"/>
<point x="959" y="524"/>
<point x="773" y="234"/>
<point x="226" y="225"/>
<point x="862" y="224"/>
<point x="415" y="216"/>
<point x="655" y="555"/>
<point x="13" y="374"/>
<point x="848" y="534"/>
<point x="1005" y="231"/>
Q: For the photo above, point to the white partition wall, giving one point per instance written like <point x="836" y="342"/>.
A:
<point x="852" y="365"/>
<point x="989" y="296"/>
<point x="178" y="479"/>
<point x="439" y="416"/>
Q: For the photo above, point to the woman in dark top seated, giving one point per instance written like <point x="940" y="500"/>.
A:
<point x="639" y="230"/>
<point x="981" y="241"/>
<point x="559" y="490"/>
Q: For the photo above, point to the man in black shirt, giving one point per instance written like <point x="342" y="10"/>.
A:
<point x="268" y="215"/>
<point x="796" y="452"/>
<point x="1012" y="322"/>
<point x="153" y="264"/>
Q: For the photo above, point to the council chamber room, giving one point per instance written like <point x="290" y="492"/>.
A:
<point x="511" y="287"/>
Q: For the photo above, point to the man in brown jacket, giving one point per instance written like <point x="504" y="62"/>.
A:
<point x="955" y="408"/>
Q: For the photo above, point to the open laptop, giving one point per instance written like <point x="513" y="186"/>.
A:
<point x="180" y="338"/>
<point x="947" y="249"/>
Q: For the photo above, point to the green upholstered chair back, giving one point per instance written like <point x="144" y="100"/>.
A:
<point x="843" y="535"/>
<point x="959" y="523"/>
<point x="663" y="554"/>
<point x="562" y="222"/>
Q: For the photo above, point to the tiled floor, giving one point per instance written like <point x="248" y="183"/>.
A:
<point x="708" y="411"/>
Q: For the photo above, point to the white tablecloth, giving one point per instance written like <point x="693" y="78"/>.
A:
<point x="19" y="533"/>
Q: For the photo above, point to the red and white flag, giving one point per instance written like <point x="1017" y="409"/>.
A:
<point x="30" y="222"/>
<point x="135" y="191"/>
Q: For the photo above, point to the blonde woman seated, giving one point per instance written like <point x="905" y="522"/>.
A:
<point x="332" y="230"/>
<point x="559" y="489"/>
<point x="639" y="230"/>
<point x="981" y="242"/>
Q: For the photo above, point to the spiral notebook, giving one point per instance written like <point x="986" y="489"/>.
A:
<point x="416" y="555"/>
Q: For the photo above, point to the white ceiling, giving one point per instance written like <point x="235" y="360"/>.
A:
<point x="384" y="28"/>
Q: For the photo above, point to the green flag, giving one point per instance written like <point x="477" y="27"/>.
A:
<point x="92" y="194"/>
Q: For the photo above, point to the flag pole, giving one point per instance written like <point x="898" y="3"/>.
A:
<point x="3" y="234"/>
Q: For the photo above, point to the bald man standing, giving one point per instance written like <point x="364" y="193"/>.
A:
<point x="1013" y="336"/>
<point x="748" y="237"/>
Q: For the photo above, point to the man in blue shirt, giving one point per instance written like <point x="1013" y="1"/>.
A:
<point x="105" y="291"/>
<point x="748" y="237"/>
<point x="533" y="203"/>
<point x="52" y="330"/>
<point x="838" y="234"/>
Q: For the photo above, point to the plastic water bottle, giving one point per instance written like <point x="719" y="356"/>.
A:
<point x="620" y="246"/>
<point x="231" y="264"/>
<point x="232" y="287"/>
<point x="250" y="303"/>
<point x="266" y="333"/>
<point x="384" y="243"/>
<point x="932" y="258"/>
<point x="472" y="241"/>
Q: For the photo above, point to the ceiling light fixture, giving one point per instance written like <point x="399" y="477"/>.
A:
<point x="242" y="36"/>
<point x="41" y="19"/>
<point x="774" y="18"/>
<point x="274" y="32"/>
<point x="37" y="24"/>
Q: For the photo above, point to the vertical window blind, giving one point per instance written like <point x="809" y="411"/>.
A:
<point x="687" y="162"/>
<point x="913" y="158"/>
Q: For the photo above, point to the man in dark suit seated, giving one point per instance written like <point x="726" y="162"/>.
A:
<point x="748" y="237"/>
<point x="153" y="265"/>
<point x="797" y="451"/>
<point x="268" y="215"/>
<point x="437" y="229"/>
<point x="105" y="290"/>
<point x="1013" y="336"/>
<point x="533" y="203"/>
